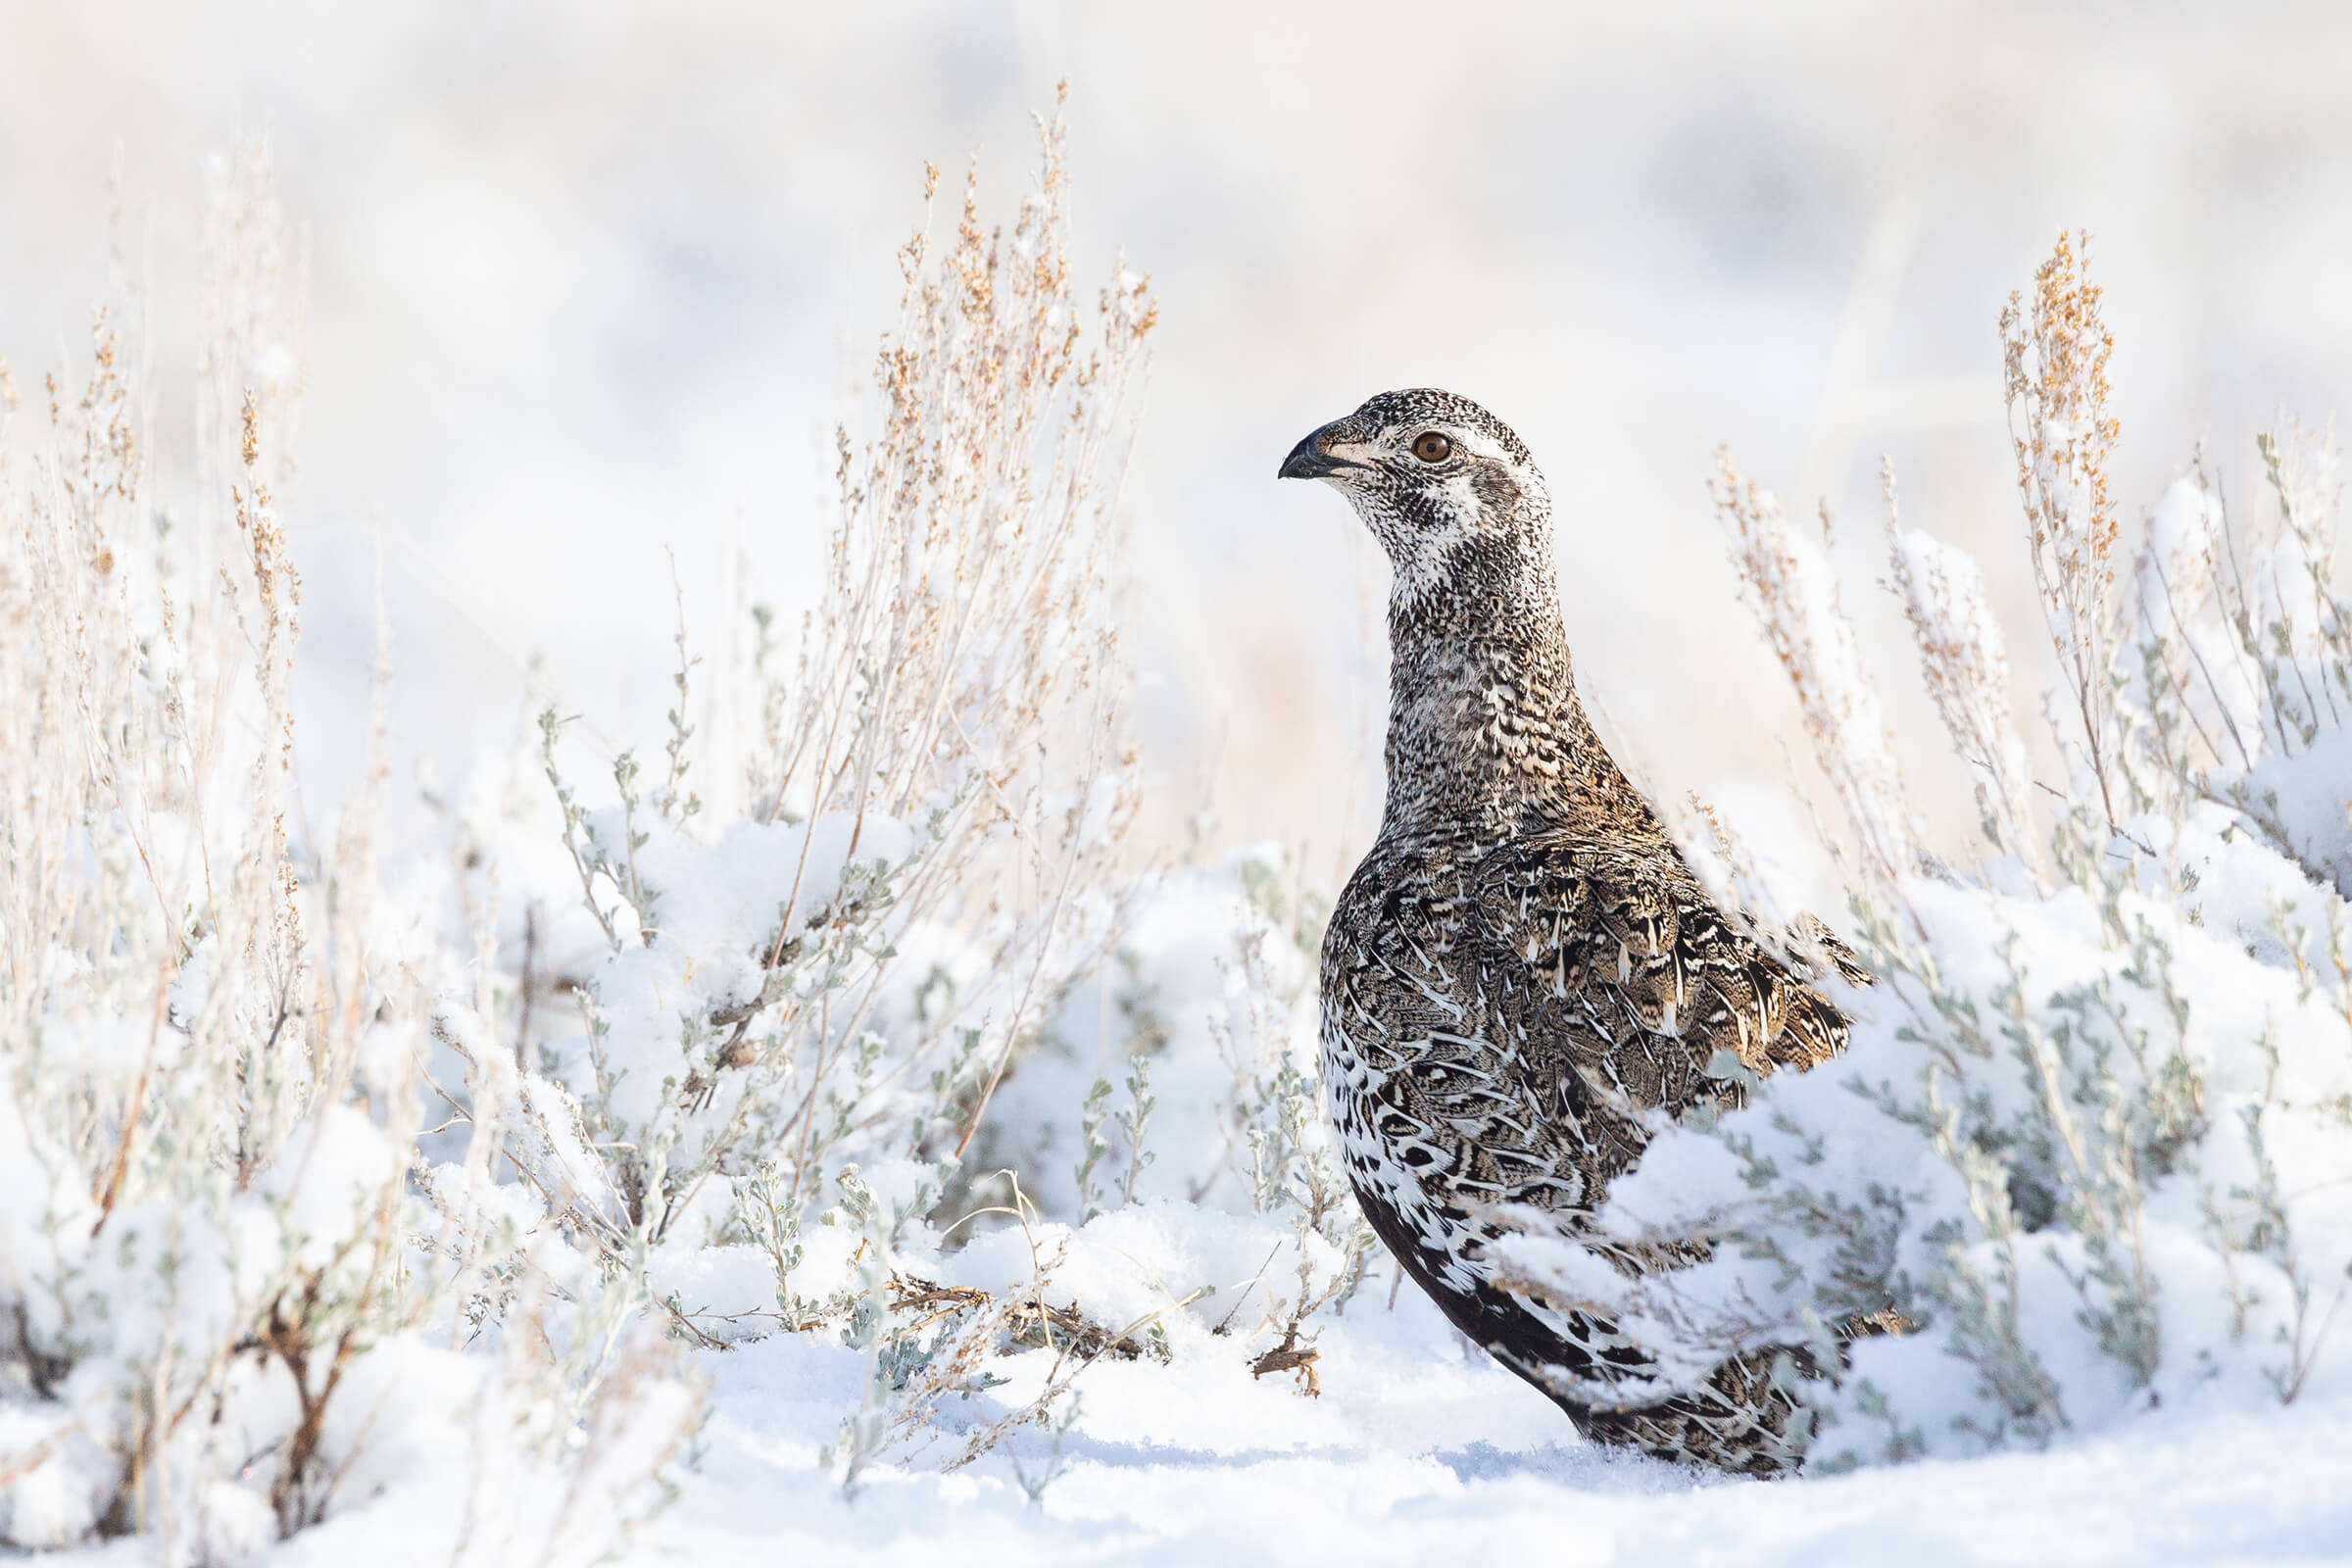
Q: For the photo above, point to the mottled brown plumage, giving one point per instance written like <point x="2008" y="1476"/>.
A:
<point x="1524" y="967"/>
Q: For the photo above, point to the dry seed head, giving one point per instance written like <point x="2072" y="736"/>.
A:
<point x="1729" y="871"/>
<point x="958" y="669"/>
<point x="1966" y="670"/>
<point x="2054" y="369"/>
<point x="1790" y="586"/>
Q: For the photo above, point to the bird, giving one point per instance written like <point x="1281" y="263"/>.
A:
<point x="1524" y="969"/>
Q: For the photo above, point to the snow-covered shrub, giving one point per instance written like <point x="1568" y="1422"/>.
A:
<point x="205" y="1114"/>
<point x="1179" y="1080"/>
<point x="827" y="1043"/>
<point x="1191" y="1041"/>
<point x="2092" y="1137"/>
<point x="798" y="1018"/>
<point x="226" y="1309"/>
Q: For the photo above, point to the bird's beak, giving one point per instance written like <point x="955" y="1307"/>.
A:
<point x="1317" y="458"/>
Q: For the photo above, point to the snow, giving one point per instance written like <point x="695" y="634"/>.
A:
<point x="1418" y="1453"/>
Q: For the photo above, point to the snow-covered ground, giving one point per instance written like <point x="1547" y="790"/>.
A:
<point x="1420" y="1451"/>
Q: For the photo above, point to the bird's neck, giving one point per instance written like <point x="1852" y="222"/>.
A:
<point x="1486" y="733"/>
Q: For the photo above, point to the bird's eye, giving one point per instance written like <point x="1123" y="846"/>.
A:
<point x="1431" y="447"/>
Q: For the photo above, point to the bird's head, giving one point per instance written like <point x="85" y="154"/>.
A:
<point x="1444" y="486"/>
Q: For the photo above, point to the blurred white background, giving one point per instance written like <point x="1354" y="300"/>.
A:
<point x="590" y="284"/>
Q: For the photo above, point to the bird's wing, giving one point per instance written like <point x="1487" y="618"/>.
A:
<point x="1618" y="980"/>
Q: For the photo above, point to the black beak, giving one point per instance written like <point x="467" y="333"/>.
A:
<point x="1311" y="459"/>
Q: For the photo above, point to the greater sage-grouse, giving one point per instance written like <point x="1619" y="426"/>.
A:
<point x="1523" y="966"/>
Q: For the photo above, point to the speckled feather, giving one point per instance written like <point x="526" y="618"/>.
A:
<point x="1524" y="967"/>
